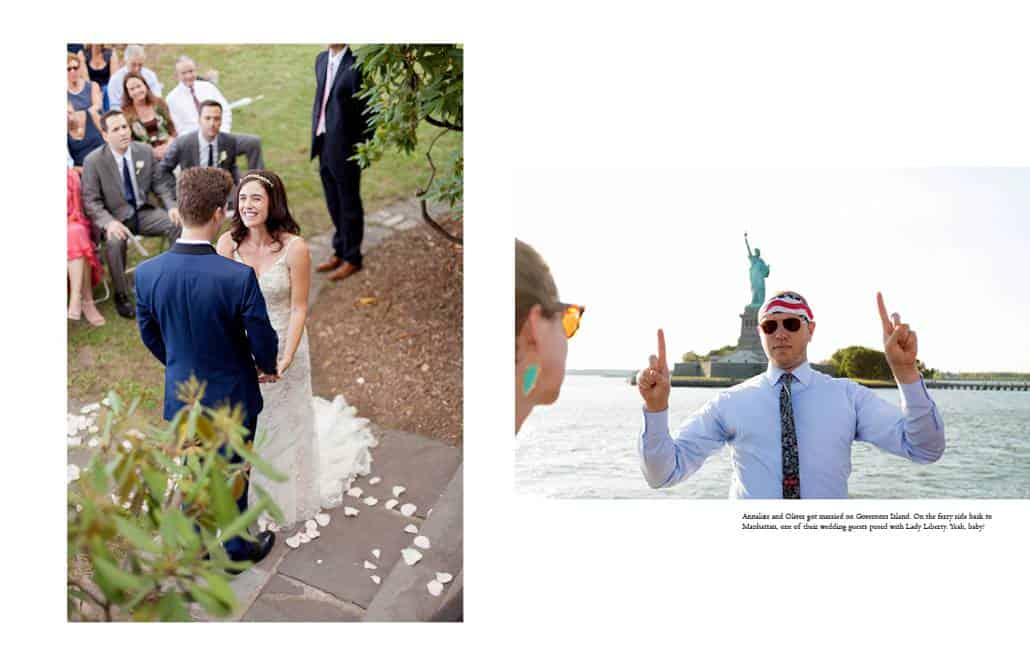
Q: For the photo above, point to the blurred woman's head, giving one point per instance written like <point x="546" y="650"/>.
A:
<point x="543" y="325"/>
<point x="73" y="69"/>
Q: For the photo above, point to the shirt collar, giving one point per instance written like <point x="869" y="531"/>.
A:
<point x="118" y="158"/>
<point x="203" y="141"/>
<point x="802" y="374"/>
<point x="191" y="241"/>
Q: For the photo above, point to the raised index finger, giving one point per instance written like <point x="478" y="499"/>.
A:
<point x="888" y="328"/>
<point x="661" y="349"/>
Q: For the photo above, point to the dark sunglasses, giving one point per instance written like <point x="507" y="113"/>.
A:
<point x="793" y="325"/>
<point x="570" y="318"/>
<point x="72" y="69"/>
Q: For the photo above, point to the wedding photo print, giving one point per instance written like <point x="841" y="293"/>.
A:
<point x="773" y="334"/>
<point x="265" y="306"/>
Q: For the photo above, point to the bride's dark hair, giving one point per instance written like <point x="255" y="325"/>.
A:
<point x="279" y="218"/>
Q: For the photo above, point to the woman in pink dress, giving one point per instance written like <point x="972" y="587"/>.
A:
<point x="80" y="256"/>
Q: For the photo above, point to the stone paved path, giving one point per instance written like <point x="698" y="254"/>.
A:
<point x="327" y="579"/>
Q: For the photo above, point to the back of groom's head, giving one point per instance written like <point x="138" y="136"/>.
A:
<point x="202" y="191"/>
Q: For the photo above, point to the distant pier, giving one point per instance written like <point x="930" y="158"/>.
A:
<point x="957" y="384"/>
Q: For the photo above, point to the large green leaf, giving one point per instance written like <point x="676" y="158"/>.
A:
<point x="260" y="464"/>
<point x="222" y="504"/>
<point x="239" y="526"/>
<point x="136" y="536"/>
<point x="121" y="580"/>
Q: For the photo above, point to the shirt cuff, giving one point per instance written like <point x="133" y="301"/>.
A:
<point x="655" y="421"/>
<point x="914" y="394"/>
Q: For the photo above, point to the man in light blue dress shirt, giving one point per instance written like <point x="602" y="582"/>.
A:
<point x="791" y="425"/>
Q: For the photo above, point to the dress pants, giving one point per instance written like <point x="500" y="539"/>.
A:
<point x="341" y="183"/>
<point x="152" y="222"/>
<point x="237" y="548"/>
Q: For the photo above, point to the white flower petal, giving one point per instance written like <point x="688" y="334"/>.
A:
<point x="376" y="579"/>
<point x="408" y="510"/>
<point x="322" y="519"/>
<point x="411" y="529"/>
<point x="390" y="503"/>
<point x="374" y="480"/>
<point x="74" y="442"/>
<point x="310" y="525"/>
<point x="350" y="511"/>
<point x="369" y="565"/>
<point x="375" y="553"/>
<point x="73" y="472"/>
<point x="444" y="577"/>
<point x="411" y="556"/>
<point x="304" y="538"/>
<point x="354" y="491"/>
<point x="397" y="490"/>
<point x="422" y="542"/>
<point x="434" y="587"/>
<point x="293" y="541"/>
<point x="93" y="429"/>
<point x="93" y="442"/>
<point x="371" y="501"/>
<point x="91" y="407"/>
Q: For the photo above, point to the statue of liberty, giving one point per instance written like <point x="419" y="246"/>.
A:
<point x="759" y="271"/>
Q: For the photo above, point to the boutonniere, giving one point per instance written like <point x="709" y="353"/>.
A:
<point x="139" y="166"/>
<point x="222" y="156"/>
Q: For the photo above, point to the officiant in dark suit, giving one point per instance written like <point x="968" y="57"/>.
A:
<point x="207" y="146"/>
<point x="117" y="180"/>
<point x="203" y="315"/>
<point x="338" y="124"/>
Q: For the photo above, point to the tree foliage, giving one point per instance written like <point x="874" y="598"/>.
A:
<point x="147" y="517"/>
<point x="857" y="362"/>
<point x="406" y="85"/>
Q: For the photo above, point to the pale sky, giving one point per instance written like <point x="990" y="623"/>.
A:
<point x="948" y="247"/>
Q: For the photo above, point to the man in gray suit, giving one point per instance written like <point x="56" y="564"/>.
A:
<point x="116" y="181"/>
<point x="207" y="146"/>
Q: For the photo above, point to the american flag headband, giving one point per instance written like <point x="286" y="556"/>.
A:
<point x="787" y="303"/>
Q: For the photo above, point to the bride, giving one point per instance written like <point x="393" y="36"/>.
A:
<point x="320" y="445"/>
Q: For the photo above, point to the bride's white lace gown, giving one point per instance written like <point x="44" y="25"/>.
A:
<point x="321" y="446"/>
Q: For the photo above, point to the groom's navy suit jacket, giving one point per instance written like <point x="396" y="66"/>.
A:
<point x="202" y="314"/>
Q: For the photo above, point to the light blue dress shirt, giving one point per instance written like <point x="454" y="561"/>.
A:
<point x="829" y="414"/>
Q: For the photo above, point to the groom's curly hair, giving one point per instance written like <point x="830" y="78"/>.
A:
<point x="279" y="218"/>
<point x="201" y="191"/>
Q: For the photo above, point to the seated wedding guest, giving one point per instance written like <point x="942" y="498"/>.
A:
<point x="116" y="182"/>
<point x="204" y="147"/>
<point x="100" y="63"/>
<point x="184" y="103"/>
<point x="147" y="115"/>
<point x="84" y="269"/>
<point x="83" y="136"/>
<point x="134" y="59"/>
<point x="83" y="94"/>
<point x="791" y="428"/>
<point x="543" y="325"/>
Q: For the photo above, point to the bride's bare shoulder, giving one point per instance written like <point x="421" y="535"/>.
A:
<point x="225" y="244"/>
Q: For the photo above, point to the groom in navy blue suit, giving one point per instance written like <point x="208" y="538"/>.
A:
<point x="202" y="314"/>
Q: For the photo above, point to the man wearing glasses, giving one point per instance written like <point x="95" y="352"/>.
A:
<point x="791" y="428"/>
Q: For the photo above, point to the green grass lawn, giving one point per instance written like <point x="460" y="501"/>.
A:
<point x="112" y="357"/>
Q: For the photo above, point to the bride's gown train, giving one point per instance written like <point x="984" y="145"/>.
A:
<point x="320" y="445"/>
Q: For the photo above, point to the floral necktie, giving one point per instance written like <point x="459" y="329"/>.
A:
<point x="789" y="438"/>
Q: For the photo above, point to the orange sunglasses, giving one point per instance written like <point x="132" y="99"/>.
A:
<point x="570" y="318"/>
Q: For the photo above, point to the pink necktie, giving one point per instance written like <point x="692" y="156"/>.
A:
<point x="325" y="97"/>
<point x="195" y="100"/>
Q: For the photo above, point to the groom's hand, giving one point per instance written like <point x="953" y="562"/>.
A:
<point x="267" y="379"/>
<point x="653" y="382"/>
<point x="899" y="345"/>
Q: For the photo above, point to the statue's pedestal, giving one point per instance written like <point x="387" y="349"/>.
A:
<point x="749" y="340"/>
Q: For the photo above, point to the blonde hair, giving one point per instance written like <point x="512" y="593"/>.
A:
<point x="533" y="285"/>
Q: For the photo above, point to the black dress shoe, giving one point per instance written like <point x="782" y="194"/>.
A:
<point x="258" y="551"/>
<point x="124" y="306"/>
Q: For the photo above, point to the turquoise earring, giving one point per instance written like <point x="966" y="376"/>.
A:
<point x="529" y="378"/>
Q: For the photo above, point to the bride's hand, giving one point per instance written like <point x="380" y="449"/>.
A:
<point x="284" y="362"/>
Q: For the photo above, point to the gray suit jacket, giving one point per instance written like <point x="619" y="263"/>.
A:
<point x="102" y="193"/>
<point x="185" y="153"/>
